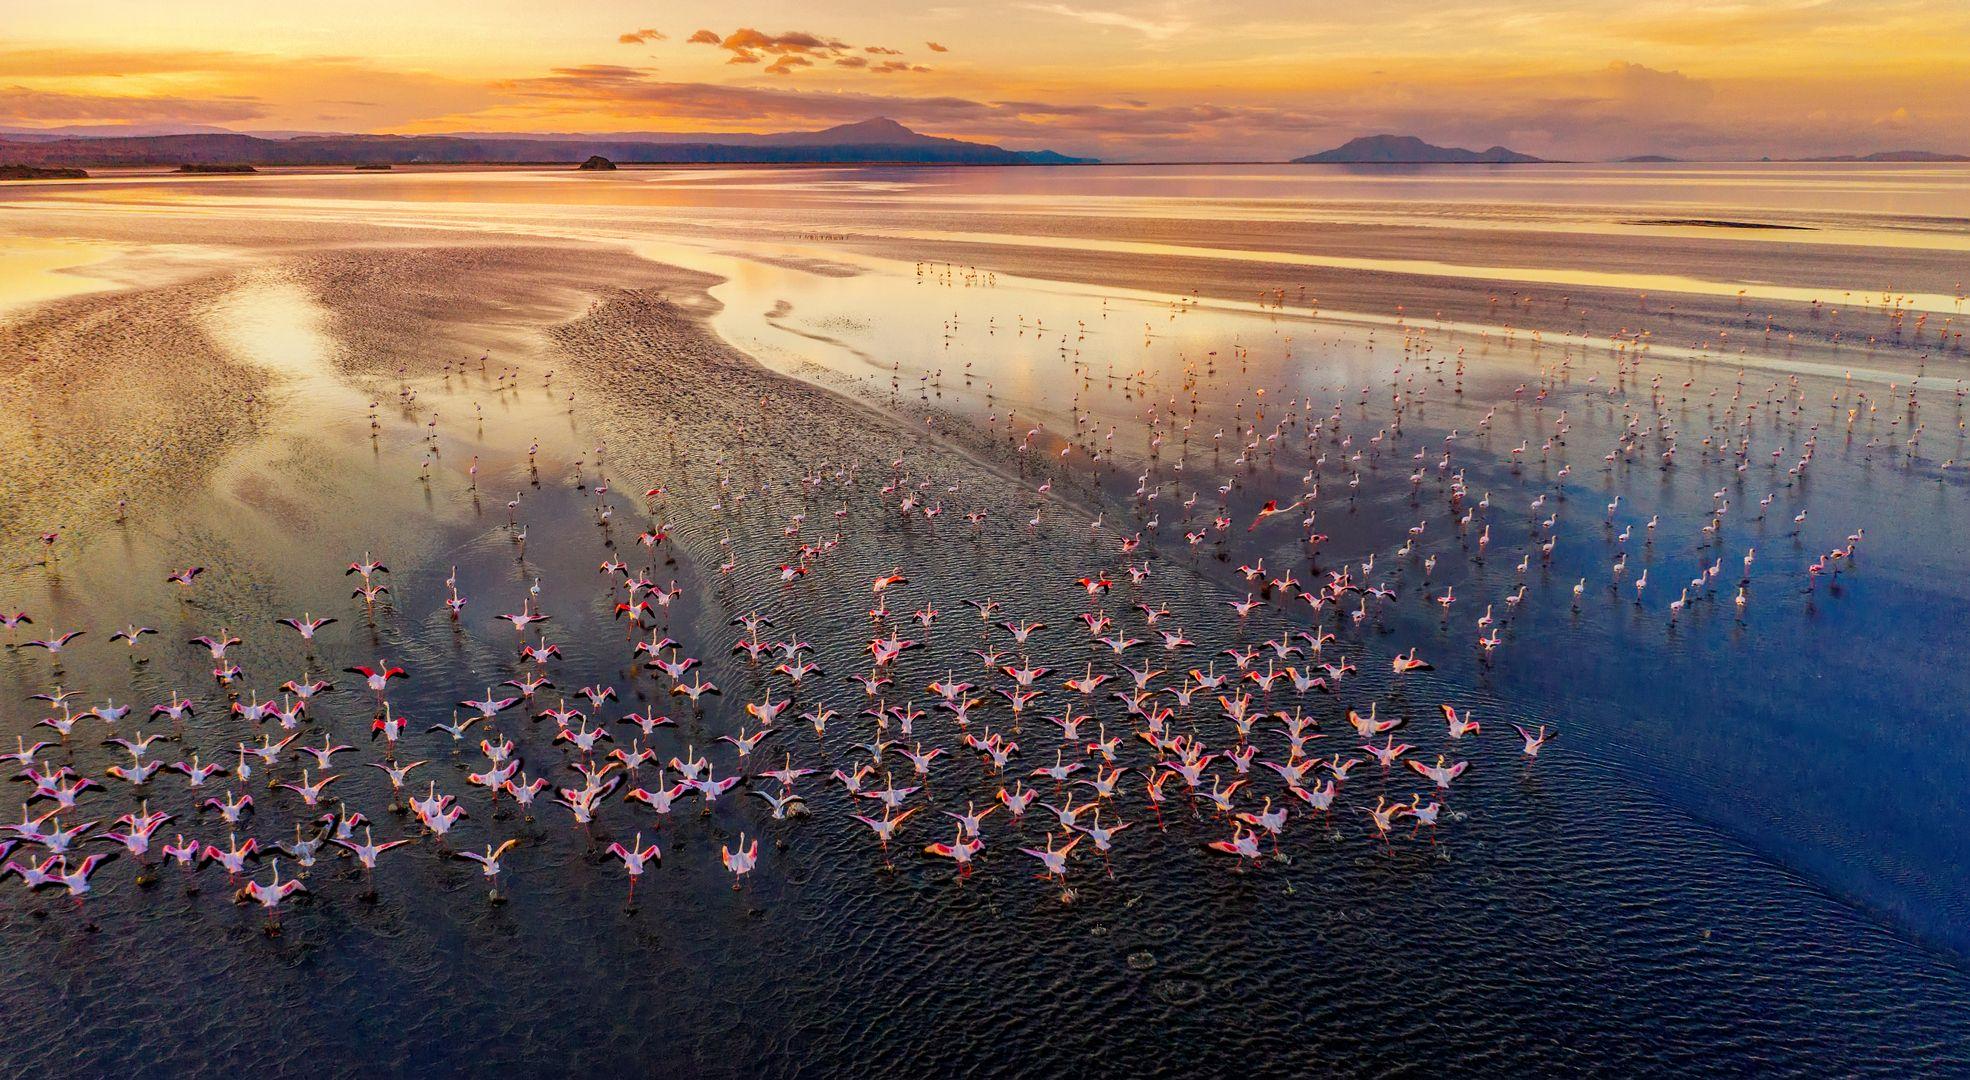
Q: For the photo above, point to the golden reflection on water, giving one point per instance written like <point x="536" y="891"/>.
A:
<point x="1622" y="279"/>
<point x="755" y="227"/>
<point x="1911" y="208"/>
<point x="277" y="326"/>
<point x="33" y="270"/>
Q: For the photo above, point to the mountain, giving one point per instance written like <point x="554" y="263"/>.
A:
<point x="1410" y="150"/>
<point x="881" y="131"/>
<point x="1894" y="155"/>
<point x="875" y="131"/>
<point x="879" y="140"/>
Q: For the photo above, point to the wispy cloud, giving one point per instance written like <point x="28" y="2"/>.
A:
<point x="1154" y="29"/>
<point x="44" y="106"/>
<point x="33" y="63"/>
<point x="52" y="86"/>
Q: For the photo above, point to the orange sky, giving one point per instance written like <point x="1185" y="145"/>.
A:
<point x="1118" y="79"/>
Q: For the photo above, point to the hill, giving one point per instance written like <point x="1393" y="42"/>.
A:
<point x="1410" y="150"/>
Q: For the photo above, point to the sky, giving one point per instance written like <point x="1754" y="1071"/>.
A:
<point x="1122" y="80"/>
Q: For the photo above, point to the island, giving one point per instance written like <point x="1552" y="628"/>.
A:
<point x="41" y="172"/>
<point x="597" y="163"/>
<point x="1410" y="150"/>
<point x="219" y="170"/>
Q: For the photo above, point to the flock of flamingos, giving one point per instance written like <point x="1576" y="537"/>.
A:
<point x="1261" y="734"/>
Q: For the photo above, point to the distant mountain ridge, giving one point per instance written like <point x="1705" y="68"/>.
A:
<point x="1894" y="155"/>
<point x="1410" y="150"/>
<point x="878" y="140"/>
<point x="873" y="141"/>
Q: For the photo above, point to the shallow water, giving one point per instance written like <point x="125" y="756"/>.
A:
<point x="1742" y="851"/>
<point x="32" y="271"/>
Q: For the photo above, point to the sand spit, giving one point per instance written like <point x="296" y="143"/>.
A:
<point x="129" y="396"/>
<point x="689" y="392"/>
<point x="651" y="371"/>
<point x="111" y="396"/>
<point x="395" y="310"/>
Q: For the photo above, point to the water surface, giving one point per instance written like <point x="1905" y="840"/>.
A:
<point x="1742" y="852"/>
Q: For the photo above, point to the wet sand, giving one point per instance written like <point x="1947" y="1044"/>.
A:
<point x="169" y="403"/>
<point x="119" y="396"/>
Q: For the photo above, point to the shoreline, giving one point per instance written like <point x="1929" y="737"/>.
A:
<point x="107" y="169"/>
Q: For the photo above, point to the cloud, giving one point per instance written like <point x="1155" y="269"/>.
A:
<point x="52" y="86"/>
<point x="796" y="42"/>
<point x="643" y="37"/>
<point x="86" y="63"/>
<point x="796" y="49"/>
<point x="747" y="44"/>
<point x="1703" y="25"/>
<point x="935" y="47"/>
<point x="604" y="75"/>
<point x="1152" y="29"/>
<point x="1633" y="85"/>
<point x="53" y="107"/>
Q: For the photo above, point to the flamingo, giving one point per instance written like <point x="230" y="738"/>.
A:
<point x="489" y="863"/>
<point x="1533" y="743"/>
<point x="740" y="861"/>
<point x="635" y="859"/>
<point x="271" y="895"/>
